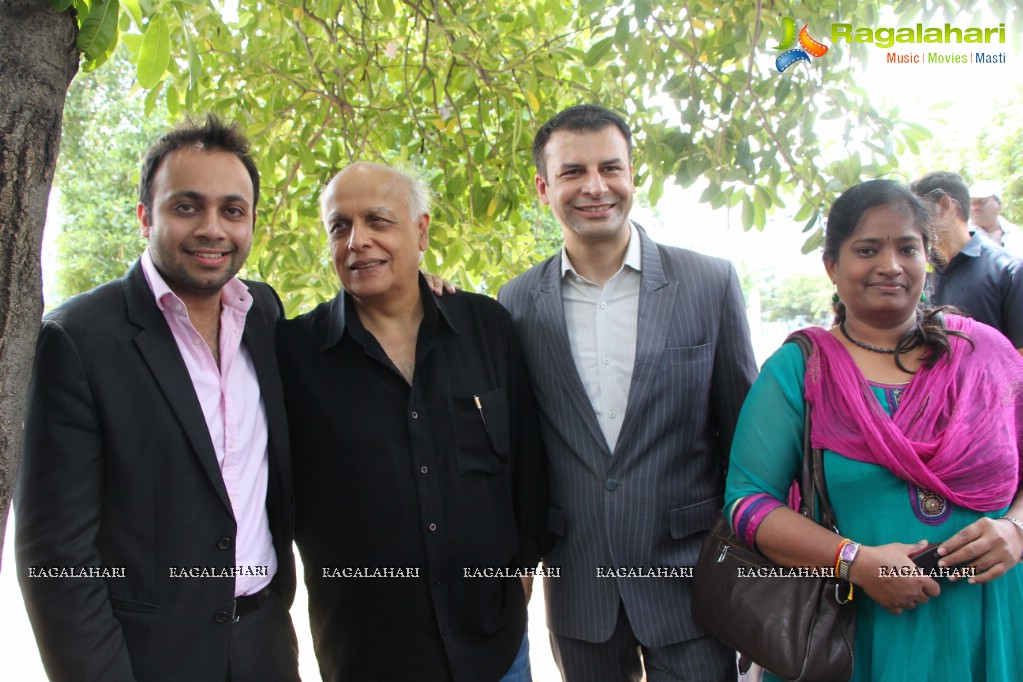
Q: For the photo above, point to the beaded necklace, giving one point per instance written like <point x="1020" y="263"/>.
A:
<point x="865" y="346"/>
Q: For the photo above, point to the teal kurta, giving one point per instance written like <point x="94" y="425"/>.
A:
<point x="969" y="632"/>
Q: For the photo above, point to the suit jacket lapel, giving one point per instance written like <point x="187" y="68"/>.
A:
<point x="156" y="344"/>
<point x="258" y="338"/>
<point x="656" y="306"/>
<point x="551" y="316"/>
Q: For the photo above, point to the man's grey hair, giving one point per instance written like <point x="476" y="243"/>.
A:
<point x="419" y="194"/>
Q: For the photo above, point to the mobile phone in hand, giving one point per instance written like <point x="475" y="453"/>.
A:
<point x="926" y="558"/>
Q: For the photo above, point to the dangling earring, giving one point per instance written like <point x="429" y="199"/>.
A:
<point x="923" y="297"/>
<point x="835" y="299"/>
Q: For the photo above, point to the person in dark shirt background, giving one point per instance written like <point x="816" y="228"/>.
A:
<point x="419" y="466"/>
<point x="975" y="275"/>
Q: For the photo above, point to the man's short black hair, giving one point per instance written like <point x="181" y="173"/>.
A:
<point x="582" y="117"/>
<point x="208" y="135"/>
<point x="932" y="185"/>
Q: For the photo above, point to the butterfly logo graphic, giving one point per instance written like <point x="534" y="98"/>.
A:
<point x="807" y="46"/>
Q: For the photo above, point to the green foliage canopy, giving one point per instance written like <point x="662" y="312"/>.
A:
<point x="992" y="150"/>
<point x="104" y="135"/>
<point x="459" y="88"/>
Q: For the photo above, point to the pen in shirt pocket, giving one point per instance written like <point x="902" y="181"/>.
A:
<point x="479" y="406"/>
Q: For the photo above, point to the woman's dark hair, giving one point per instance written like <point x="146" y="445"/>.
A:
<point x="930" y="330"/>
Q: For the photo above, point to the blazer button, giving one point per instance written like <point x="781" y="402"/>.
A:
<point x="611" y="484"/>
<point x="224" y="543"/>
<point x="222" y="617"/>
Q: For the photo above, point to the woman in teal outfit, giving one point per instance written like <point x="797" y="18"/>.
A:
<point x="920" y="415"/>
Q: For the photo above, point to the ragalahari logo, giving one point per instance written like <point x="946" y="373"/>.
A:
<point x="807" y="46"/>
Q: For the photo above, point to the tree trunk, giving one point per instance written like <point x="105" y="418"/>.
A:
<point x="38" y="59"/>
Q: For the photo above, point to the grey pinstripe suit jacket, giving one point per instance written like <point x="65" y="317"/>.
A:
<point x="648" y="503"/>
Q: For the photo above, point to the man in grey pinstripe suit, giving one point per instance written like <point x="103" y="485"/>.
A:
<point x="640" y="357"/>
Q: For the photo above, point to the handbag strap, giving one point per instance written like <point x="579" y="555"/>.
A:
<point x="813" y="489"/>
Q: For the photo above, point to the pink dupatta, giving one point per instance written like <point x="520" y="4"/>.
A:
<point x="958" y="428"/>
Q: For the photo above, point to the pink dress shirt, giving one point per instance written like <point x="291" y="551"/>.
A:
<point x="236" y="418"/>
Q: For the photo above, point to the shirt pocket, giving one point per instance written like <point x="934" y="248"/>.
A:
<point x="481" y="429"/>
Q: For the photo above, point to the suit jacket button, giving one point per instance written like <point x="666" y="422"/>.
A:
<point x="611" y="484"/>
<point x="222" y="617"/>
<point x="224" y="543"/>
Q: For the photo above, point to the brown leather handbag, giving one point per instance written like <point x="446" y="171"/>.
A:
<point x="797" y="628"/>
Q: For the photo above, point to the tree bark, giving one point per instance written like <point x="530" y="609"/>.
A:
<point x="38" y="59"/>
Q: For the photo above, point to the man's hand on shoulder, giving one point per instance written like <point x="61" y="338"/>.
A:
<point x="438" y="284"/>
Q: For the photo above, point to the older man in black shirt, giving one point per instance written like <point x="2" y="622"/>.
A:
<point x="418" y="463"/>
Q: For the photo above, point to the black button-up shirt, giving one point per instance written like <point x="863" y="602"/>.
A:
<point x="986" y="283"/>
<point x="417" y="485"/>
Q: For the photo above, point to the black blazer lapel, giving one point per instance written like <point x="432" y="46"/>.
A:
<point x="258" y="336"/>
<point x="156" y="344"/>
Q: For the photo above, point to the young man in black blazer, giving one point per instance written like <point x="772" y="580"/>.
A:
<point x="153" y="503"/>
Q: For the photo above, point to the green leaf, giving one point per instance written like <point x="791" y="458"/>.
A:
<point x="656" y="192"/>
<point x="99" y="30"/>
<point x="747" y="213"/>
<point x="61" y="5"/>
<point x="623" y="31"/>
<point x="742" y="152"/>
<point x="101" y="59"/>
<point x="642" y="11"/>
<point x="154" y="55"/>
<point x="804" y="212"/>
<point x="713" y="191"/>
<point x="173" y="100"/>
<point x="151" y="99"/>
<point x="133" y="42"/>
<point x="194" y="69"/>
<point x="597" y="51"/>
<point x="812" y="222"/>
<point x="386" y="9"/>
<point x="135" y="11"/>
<point x="759" y="215"/>
<point x="762" y="197"/>
<point x="813" y="242"/>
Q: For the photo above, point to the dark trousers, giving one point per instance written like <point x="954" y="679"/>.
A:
<point x="263" y="645"/>
<point x="704" y="659"/>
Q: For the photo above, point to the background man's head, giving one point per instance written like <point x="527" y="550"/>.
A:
<point x="986" y="205"/>
<point x="946" y="193"/>
<point x="584" y="173"/>
<point x="197" y="206"/>
<point x="377" y="219"/>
